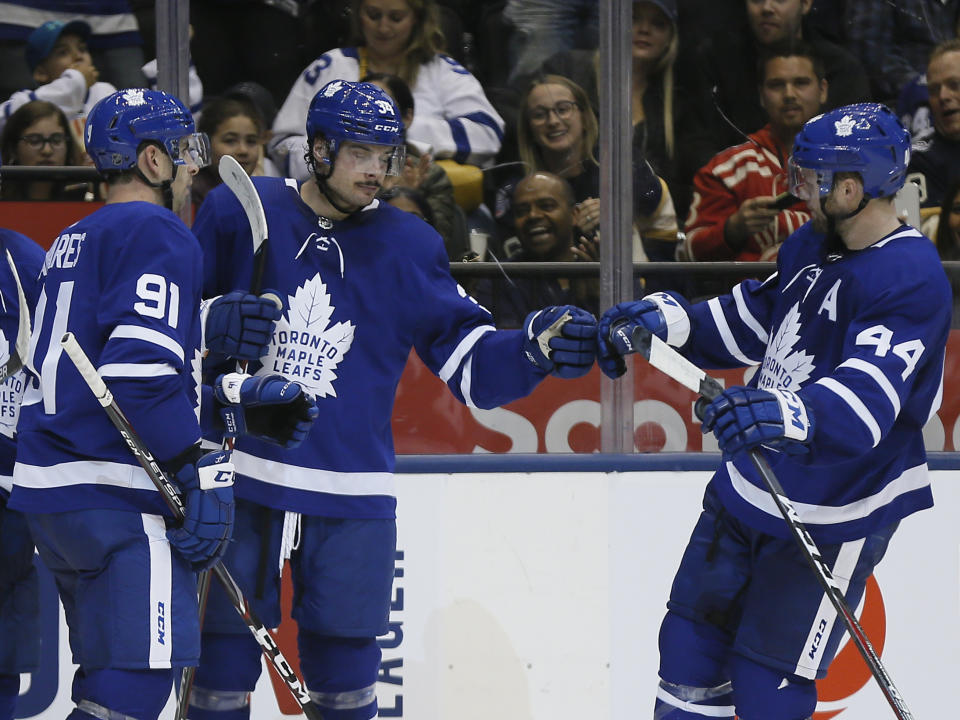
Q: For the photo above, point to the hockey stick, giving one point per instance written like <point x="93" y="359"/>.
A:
<point x="236" y="178"/>
<point x="173" y="500"/>
<point x="668" y="361"/>
<point x="22" y="345"/>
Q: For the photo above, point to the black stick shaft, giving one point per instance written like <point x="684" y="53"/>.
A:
<point x="638" y="339"/>
<point x="171" y="497"/>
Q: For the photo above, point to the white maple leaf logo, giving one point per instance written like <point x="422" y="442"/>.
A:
<point x="844" y="126"/>
<point x="305" y="347"/>
<point x="784" y="367"/>
<point x="134" y="96"/>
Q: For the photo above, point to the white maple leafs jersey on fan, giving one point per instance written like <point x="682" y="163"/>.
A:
<point x="126" y="282"/>
<point x="357" y="295"/>
<point x="861" y="338"/>
<point x="28" y="257"/>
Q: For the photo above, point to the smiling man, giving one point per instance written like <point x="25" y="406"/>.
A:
<point x="733" y="215"/>
<point x="542" y="211"/>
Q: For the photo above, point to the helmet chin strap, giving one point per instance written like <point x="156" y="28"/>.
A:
<point x="325" y="190"/>
<point x="834" y="241"/>
<point x="165" y="186"/>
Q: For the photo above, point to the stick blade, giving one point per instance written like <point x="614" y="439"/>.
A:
<point x="235" y="178"/>
<point x="22" y="345"/>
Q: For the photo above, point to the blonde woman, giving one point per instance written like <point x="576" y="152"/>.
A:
<point x="400" y="37"/>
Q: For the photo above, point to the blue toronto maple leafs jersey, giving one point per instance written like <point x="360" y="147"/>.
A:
<point x="861" y="338"/>
<point x="28" y="257"/>
<point x="126" y="282"/>
<point x="357" y="295"/>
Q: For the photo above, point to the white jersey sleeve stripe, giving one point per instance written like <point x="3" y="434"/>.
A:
<point x="935" y="405"/>
<point x="136" y="370"/>
<point x="462" y="350"/>
<point x="878" y="376"/>
<point x="855" y="404"/>
<point x="729" y="342"/>
<point x="748" y="319"/>
<point x="465" y="380"/>
<point x="138" y="332"/>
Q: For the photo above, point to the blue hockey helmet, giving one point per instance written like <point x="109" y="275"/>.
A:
<point x="358" y="112"/>
<point x="865" y="138"/>
<point x="118" y="124"/>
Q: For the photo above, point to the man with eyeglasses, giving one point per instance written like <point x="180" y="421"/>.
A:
<point x="126" y="282"/>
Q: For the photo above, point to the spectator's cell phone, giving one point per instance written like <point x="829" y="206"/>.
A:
<point x="783" y="201"/>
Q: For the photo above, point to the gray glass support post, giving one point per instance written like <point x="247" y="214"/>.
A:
<point x="173" y="58"/>
<point x="616" y="207"/>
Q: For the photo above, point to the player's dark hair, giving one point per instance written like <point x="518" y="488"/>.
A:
<point x="794" y="48"/>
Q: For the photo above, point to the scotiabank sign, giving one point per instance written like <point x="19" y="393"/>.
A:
<point x="564" y="415"/>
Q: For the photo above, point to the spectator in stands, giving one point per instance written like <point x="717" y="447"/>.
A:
<point x="544" y="27"/>
<point x="948" y="240"/>
<point x="894" y="39"/>
<point x="38" y="134"/>
<point x="935" y="161"/>
<point x="400" y="37"/>
<point x="420" y="173"/>
<point x="654" y="96"/>
<point x="235" y="127"/>
<point x="734" y="215"/>
<point x="114" y="40"/>
<point x="724" y="74"/>
<point x="543" y="217"/>
<point x="64" y="72"/>
<point x="557" y="132"/>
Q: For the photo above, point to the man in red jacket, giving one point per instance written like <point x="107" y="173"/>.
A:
<point x="734" y="214"/>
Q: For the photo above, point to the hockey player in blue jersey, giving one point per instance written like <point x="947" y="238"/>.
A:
<point x="849" y="335"/>
<point x="19" y="626"/>
<point x="126" y="282"/>
<point x="362" y="283"/>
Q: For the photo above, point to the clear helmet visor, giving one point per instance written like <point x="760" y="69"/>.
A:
<point x="372" y="159"/>
<point x="808" y="184"/>
<point x="190" y="150"/>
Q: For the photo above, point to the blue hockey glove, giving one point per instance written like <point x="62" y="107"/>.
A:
<point x="268" y="407"/>
<point x="611" y="346"/>
<point x="561" y="340"/>
<point x="207" y="490"/>
<point x="744" y="418"/>
<point x="240" y="324"/>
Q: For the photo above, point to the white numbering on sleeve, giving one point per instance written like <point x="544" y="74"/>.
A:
<point x="881" y="338"/>
<point x="153" y="291"/>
